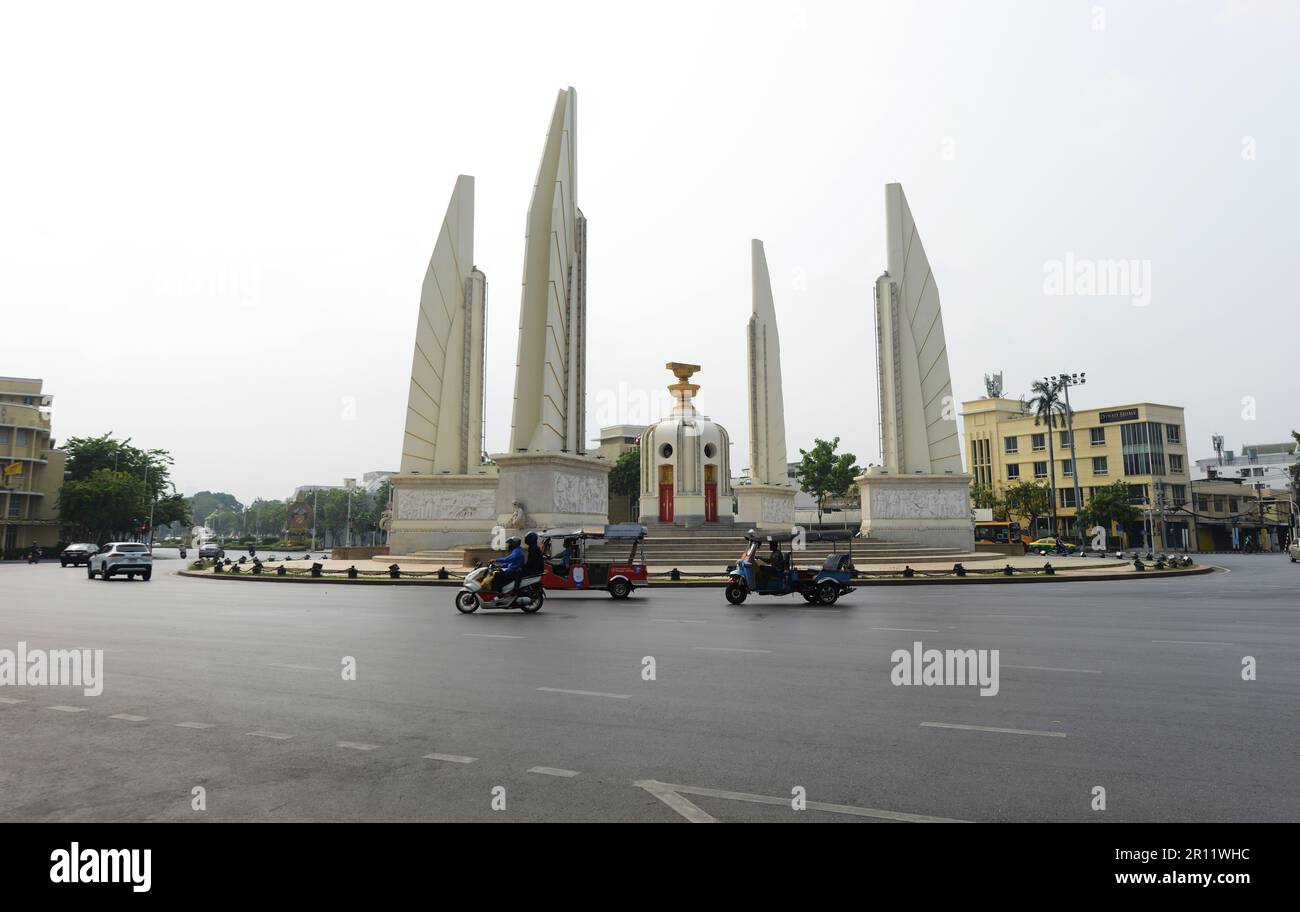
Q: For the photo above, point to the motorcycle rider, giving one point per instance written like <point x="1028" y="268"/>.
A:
<point x="509" y="566"/>
<point x="534" y="560"/>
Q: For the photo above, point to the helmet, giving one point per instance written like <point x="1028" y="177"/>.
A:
<point x="531" y="539"/>
<point x="512" y="543"/>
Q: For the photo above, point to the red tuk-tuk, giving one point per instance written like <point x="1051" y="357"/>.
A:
<point x="584" y="560"/>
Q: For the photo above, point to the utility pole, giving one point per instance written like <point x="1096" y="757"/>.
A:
<point x="349" y="483"/>
<point x="1065" y="381"/>
<point x="313" y="519"/>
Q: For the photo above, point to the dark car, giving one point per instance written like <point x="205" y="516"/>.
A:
<point x="77" y="554"/>
<point x="211" y="551"/>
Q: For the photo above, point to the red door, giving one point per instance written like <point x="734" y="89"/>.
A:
<point x="710" y="503"/>
<point x="666" y="503"/>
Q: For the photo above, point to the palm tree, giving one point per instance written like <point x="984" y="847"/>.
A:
<point x="1048" y="407"/>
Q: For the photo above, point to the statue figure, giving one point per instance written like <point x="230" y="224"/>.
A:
<point x="518" y="519"/>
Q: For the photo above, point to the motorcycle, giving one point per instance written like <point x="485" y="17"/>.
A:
<point x="525" y="593"/>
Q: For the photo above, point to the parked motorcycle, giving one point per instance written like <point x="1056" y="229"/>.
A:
<point x="526" y="593"/>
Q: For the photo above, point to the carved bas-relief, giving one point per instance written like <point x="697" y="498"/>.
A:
<point x="581" y="493"/>
<point x="920" y="503"/>
<point x="778" y="511"/>
<point x="432" y="504"/>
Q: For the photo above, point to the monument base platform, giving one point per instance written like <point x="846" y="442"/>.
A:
<point x="435" y="512"/>
<point x="551" y="491"/>
<point x="929" y="510"/>
<point x="768" y="507"/>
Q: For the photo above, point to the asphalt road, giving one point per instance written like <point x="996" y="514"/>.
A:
<point x="237" y="688"/>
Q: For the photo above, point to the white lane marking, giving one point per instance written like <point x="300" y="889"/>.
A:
<point x="494" y="636"/>
<point x="274" y="736"/>
<point x="296" y="667"/>
<point x="1087" y="671"/>
<point x="908" y="629"/>
<point x="357" y="746"/>
<point x="552" y="771"/>
<point x="1190" y="643"/>
<point x="450" y="758"/>
<point x="69" y="709"/>
<point x="731" y="649"/>
<point x="193" y="725"/>
<point x="1019" y="617"/>
<point x="986" y="728"/>
<point x="127" y="717"/>
<point x="671" y="795"/>
<point x="674" y="621"/>
<point x="9" y="701"/>
<point x="691" y="811"/>
<point x="585" y="693"/>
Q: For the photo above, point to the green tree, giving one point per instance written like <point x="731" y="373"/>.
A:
<point x="205" y="503"/>
<point x="986" y="497"/>
<point x="1107" y="506"/>
<point x="824" y="474"/>
<point x="1028" y="500"/>
<point x="625" y="478"/>
<point x="87" y="455"/>
<point x="103" y="505"/>
<point x="1048" y="406"/>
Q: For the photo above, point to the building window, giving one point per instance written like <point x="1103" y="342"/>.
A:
<point x="1259" y="473"/>
<point x="1175" y="464"/>
<point x="1202" y="504"/>
<point x="15" y="506"/>
<point x="1098" y="436"/>
<point x="1040" y="470"/>
<point x="1180" y="494"/>
<point x="1065" y="438"/>
<point x="4" y="435"/>
<point x="1137" y="493"/>
<point x="1174" y="433"/>
<point x="1067" y="468"/>
<point x="1067" y="497"/>
<point x="1011" y="445"/>
<point x="1220" y="504"/>
<point x="1100" y="465"/>
<point x="1040" y="442"/>
<point x="1234" y="505"/>
<point x="22" y="437"/>
<point x="1013" y="472"/>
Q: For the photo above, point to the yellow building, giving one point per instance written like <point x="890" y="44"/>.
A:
<point x="1142" y="445"/>
<point x="32" y="468"/>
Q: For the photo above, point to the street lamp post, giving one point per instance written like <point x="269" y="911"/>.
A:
<point x="1065" y="381"/>
<point x="313" y="519"/>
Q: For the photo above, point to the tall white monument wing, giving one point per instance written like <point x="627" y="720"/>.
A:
<point x="917" y="411"/>
<point x="444" y="408"/>
<point x="767" y="465"/>
<point x="550" y="374"/>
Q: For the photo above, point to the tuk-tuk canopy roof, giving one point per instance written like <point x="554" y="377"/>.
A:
<point x="835" y="535"/>
<point x="613" y="532"/>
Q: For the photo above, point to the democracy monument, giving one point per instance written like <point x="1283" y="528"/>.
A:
<point x="450" y="494"/>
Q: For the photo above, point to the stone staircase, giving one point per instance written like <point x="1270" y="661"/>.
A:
<point x="715" y="545"/>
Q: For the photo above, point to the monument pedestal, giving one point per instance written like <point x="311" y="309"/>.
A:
<point x="929" y="510"/>
<point x="435" y="512"/>
<point x="553" y="490"/>
<point x="761" y="506"/>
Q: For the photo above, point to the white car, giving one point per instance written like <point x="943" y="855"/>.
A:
<point x="121" y="558"/>
<point x="1294" y="551"/>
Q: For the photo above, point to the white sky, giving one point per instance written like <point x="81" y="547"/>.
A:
<point x="214" y="220"/>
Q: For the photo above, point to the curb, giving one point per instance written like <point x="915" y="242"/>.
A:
<point x="720" y="582"/>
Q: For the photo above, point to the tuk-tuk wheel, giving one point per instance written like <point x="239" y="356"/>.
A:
<point x="736" y="593"/>
<point x="828" y="592"/>
<point x="466" y="602"/>
<point x="809" y="597"/>
<point x="620" y="588"/>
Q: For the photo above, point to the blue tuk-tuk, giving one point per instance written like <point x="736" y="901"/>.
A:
<point x="775" y="573"/>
